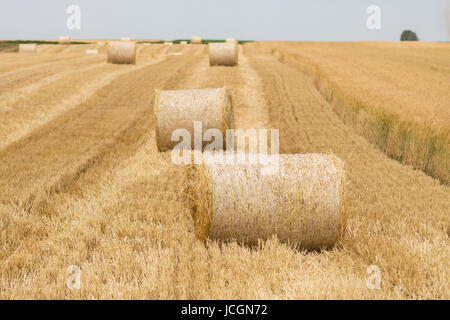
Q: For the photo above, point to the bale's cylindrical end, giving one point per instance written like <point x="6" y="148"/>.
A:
<point x="28" y="48"/>
<point x="196" y="40"/>
<point x="122" y="52"/>
<point x="198" y="195"/>
<point x="189" y="109"/>
<point x="302" y="204"/>
<point x="64" y="40"/>
<point x="223" y="54"/>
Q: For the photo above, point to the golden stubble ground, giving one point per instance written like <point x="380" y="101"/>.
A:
<point x="394" y="94"/>
<point x="88" y="188"/>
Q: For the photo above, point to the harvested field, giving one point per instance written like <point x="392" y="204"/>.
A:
<point x="395" y="95"/>
<point x="82" y="182"/>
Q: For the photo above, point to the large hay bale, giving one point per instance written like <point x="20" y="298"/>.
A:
<point x="232" y="40"/>
<point x="223" y="54"/>
<point x="122" y="52"/>
<point x="64" y="40"/>
<point x="196" y="40"/>
<point x="179" y="109"/>
<point x="28" y="48"/>
<point x="302" y="204"/>
<point x="125" y="39"/>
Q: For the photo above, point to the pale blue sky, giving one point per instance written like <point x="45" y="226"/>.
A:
<point x="321" y="20"/>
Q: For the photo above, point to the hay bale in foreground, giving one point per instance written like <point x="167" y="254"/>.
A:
<point x="223" y="54"/>
<point x="196" y="40"/>
<point x="28" y="48"/>
<point x="179" y="109"/>
<point x="91" y="51"/>
<point x="64" y="40"/>
<point x="125" y="39"/>
<point x="122" y="52"/>
<point x="302" y="204"/>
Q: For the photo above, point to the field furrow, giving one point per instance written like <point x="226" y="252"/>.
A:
<point x="17" y="84"/>
<point x="24" y="111"/>
<point x="11" y="63"/>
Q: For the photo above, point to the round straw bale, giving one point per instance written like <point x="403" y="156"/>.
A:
<point x="125" y="39"/>
<point x="232" y="40"/>
<point x="183" y="42"/>
<point x="28" y="47"/>
<point x="122" y="52"/>
<point x="302" y="204"/>
<point x="179" y="109"/>
<point x="196" y="40"/>
<point x="64" y="40"/>
<point x="91" y="51"/>
<point x="223" y="54"/>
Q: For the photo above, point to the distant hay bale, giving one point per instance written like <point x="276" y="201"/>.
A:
<point x="91" y="51"/>
<point x="183" y="42"/>
<point x="125" y="39"/>
<point x="196" y="40"/>
<point x="179" y="109"/>
<point x="168" y="43"/>
<point x="223" y="54"/>
<point x="64" y="40"/>
<point x="28" y="48"/>
<point x="122" y="52"/>
<point x="302" y="204"/>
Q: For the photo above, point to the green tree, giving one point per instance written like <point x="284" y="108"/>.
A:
<point x="409" y="35"/>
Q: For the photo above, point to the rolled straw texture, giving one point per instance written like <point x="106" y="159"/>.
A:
<point x="29" y="48"/>
<point x="196" y="40"/>
<point x="122" y="52"/>
<point x="64" y="40"/>
<point x="302" y="204"/>
<point x="223" y="54"/>
<point x="179" y="109"/>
